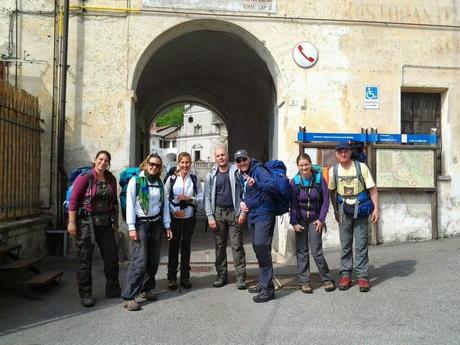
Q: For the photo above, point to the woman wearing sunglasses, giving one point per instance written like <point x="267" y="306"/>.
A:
<point x="147" y="215"/>
<point x="184" y="192"/>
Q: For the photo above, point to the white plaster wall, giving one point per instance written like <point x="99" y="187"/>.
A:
<point x="104" y="52"/>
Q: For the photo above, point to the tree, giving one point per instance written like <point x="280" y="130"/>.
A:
<point x="173" y="117"/>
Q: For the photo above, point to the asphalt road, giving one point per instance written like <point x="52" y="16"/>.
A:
<point x="414" y="300"/>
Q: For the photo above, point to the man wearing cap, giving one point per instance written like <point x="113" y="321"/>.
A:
<point x="258" y="190"/>
<point x="222" y="196"/>
<point x="354" y="197"/>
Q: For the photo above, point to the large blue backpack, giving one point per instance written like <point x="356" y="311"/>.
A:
<point x="77" y="172"/>
<point x="125" y="176"/>
<point x="284" y="196"/>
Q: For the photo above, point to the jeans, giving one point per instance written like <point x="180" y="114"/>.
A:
<point x="140" y="276"/>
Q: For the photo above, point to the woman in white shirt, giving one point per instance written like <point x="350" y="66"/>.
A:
<point x="147" y="215"/>
<point x="183" y="191"/>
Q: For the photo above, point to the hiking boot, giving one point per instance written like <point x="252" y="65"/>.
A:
<point x="172" y="284"/>
<point x="241" y="284"/>
<point x="264" y="296"/>
<point x="255" y="289"/>
<point x="344" y="282"/>
<point x="185" y="283"/>
<point x="306" y="288"/>
<point x="87" y="302"/>
<point x="149" y="296"/>
<point x="131" y="305"/>
<point x="363" y="284"/>
<point x="219" y="282"/>
<point x="329" y="286"/>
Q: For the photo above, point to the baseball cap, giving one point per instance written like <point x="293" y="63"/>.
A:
<point x="343" y="145"/>
<point x="241" y="153"/>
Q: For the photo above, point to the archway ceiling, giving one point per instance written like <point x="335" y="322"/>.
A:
<point x="215" y="57"/>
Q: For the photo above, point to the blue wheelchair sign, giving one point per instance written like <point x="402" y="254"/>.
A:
<point x="372" y="92"/>
<point x="371" y="97"/>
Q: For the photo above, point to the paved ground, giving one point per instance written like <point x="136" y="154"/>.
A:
<point x="414" y="300"/>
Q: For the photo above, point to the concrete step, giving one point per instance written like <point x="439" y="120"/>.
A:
<point x="20" y="264"/>
<point x="8" y="248"/>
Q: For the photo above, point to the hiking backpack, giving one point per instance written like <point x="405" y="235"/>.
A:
<point x="364" y="205"/>
<point x="125" y="176"/>
<point x="314" y="182"/>
<point x="78" y="172"/>
<point x="283" y="198"/>
<point x="357" y="152"/>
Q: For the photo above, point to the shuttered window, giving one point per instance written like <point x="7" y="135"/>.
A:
<point x="419" y="113"/>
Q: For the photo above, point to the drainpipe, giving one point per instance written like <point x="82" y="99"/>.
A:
<point x="62" y="108"/>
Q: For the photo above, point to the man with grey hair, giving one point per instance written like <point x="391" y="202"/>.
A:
<point x="222" y="193"/>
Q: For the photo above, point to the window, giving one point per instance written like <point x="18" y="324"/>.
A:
<point x="174" y="143"/>
<point x="197" y="130"/>
<point x="419" y="113"/>
<point x="197" y="155"/>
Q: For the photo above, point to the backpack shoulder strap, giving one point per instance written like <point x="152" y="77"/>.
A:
<point x="172" y="180"/>
<point x="194" y="181"/>
<point x="359" y="173"/>
<point x="335" y="171"/>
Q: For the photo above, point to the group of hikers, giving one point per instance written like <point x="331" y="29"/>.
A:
<point x="235" y="194"/>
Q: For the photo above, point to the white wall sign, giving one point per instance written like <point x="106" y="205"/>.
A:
<point x="305" y="54"/>
<point x="371" y="97"/>
<point x="261" y="6"/>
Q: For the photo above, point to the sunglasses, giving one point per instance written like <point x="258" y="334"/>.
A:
<point x="241" y="159"/>
<point x="154" y="165"/>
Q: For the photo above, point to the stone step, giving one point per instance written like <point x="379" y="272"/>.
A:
<point x="20" y="264"/>
<point x="8" y="248"/>
<point x="43" y="279"/>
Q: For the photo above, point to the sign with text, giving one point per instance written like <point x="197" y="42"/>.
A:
<point x="258" y="6"/>
<point x="371" y="97"/>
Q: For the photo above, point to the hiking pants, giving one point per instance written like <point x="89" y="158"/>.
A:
<point x="105" y="239"/>
<point x="261" y="233"/>
<point x="357" y="228"/>
<point x="309" y="237"/>
<point x="227" y="225"/>
<point x="182" y="229"/>
<point x="145" y="259"/>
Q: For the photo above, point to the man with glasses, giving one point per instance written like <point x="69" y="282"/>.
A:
<point x="258" y="190"/>
<point x="222" y="196"/>
<point x="354" y="197"/>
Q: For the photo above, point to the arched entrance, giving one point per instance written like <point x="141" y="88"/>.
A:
<point x="216" y="64"/>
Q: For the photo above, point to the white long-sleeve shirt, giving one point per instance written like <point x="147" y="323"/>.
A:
<point x="133" y="208"/>
<point x="183" y="186"/>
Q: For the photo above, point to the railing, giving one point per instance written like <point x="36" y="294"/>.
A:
<point x="19" y="153"/>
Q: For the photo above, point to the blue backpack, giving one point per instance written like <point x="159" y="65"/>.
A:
<point x="73" y="177"/>
<point x="125" y="176"/>
<point x="284" y="196"/>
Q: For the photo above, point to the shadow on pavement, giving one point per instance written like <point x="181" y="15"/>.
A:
<point x="402" y="268"/>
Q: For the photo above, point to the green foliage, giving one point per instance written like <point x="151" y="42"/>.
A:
<point x="173" y="117"/>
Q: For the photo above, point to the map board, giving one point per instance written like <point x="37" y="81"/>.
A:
<point x="405" y="168"/>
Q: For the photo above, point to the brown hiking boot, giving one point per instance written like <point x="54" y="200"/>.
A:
<point x="149" y="296"/>
<point x="329" y="286"/>
<point x="131" y="305"/>
<point x="306" y="288"/>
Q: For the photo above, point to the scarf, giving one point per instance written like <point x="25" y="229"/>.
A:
<point x="146" y="180"/>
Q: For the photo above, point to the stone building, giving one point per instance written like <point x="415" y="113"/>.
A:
<point x="236" y="58"/>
